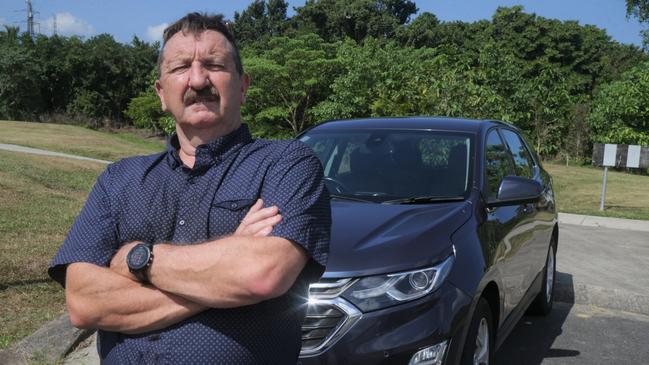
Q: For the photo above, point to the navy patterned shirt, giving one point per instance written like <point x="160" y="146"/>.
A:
<point x="158" y="199"/>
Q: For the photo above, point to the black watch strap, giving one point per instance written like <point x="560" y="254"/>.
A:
<point x="139" y="260"/>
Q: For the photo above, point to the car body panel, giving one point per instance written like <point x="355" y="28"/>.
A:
<point x="369" y="239"/>
<point x="501" y="247"/>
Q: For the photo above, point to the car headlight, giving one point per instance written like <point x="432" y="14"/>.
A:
<point x="376" y="292"/>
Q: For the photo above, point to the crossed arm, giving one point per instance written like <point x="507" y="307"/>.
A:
<point x="245" y="268"/>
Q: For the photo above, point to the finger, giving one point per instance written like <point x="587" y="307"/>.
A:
<point x="249" y="217"/>
<point x="262" y="214"/>
<point x="264" y="232"/>
<point x="259" y="204"/>
<point x="268" y="222"/>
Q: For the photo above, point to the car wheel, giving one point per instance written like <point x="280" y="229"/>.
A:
<point x="479" y="344"/>
<point x="542" y="304"/>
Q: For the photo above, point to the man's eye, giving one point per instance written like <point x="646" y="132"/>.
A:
<point x="178" y="68"/>
<point x="214" y="66"/>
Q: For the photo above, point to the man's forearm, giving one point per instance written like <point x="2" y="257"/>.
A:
<point x="230" y="272"/>
<point x="100" y="298"/>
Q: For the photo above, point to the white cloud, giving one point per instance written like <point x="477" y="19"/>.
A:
<point x="66" y="25"/>
<point x="2" y="21"/>
<point x="154" y="33"/>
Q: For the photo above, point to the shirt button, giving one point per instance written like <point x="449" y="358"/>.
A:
<point x="233" y="205"/>
<point x="182" y="222"/>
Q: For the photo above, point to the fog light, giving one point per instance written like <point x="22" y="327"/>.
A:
<point x="433" y="355"/>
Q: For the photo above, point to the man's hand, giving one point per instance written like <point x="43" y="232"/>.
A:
<point x="259" y="221"/>
<point x="118" y="262"/>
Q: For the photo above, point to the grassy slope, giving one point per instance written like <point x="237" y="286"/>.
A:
<point x="76" y="140"/>
<point x="39" y="199"/>
<point x="578" y="191"/>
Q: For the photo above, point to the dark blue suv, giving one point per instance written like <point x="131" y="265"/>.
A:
<point x="444" y="233"/>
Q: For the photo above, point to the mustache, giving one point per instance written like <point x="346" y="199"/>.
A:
<point x="206" y="94"/>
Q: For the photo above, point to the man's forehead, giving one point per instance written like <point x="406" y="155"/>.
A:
<point x="207" y="42"/>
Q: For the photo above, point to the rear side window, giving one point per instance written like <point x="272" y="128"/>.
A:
<point x="498" y="162"/>
<point x="522" y="159"/>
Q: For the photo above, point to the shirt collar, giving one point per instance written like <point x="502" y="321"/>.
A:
<point x="212" y="152"/>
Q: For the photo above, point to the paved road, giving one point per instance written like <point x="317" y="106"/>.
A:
<point x="596" y="265"/>
<point x="37" y="151"/>
<point x="578" y="334"/>
<point x="602" y="276"/>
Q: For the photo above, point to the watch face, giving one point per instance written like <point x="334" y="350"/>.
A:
<point x="138" y="257"/>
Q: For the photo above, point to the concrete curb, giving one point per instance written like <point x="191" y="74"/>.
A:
<point x="607" y="222"/>
<point x="602" y="297"/>
<point x="49" y="344"/>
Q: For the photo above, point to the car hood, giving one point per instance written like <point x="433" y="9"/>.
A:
<point x="369" y="239"/>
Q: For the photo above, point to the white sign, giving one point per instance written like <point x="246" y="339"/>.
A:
<point x="610" y="150"/>
<point x="633" y="157"/>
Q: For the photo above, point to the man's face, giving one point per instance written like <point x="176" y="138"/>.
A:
<point x="199" y="83"/>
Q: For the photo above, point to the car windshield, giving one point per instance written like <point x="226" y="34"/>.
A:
<point x="394" y="166"/>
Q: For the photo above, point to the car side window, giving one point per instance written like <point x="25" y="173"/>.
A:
<point x="498" y="163"/>
<point x="522" y="159"/>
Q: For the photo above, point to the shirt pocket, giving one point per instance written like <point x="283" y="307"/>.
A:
<point x="226" y="215"/>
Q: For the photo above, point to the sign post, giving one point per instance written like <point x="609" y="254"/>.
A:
<point x="610" y="151"/>
<point x="614" y="155"/>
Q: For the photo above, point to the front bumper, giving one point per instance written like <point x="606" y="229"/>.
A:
<point x="395" y="334"/>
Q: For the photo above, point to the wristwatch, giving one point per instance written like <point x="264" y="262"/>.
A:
<point x="139" y="259"/>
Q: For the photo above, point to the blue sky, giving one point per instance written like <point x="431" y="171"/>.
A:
<point x="147" y="18"/>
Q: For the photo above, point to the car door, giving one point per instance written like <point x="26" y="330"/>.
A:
<point x="503" y="222"/>
<point x="527" y="261"/>
<point x="537" y="217"/>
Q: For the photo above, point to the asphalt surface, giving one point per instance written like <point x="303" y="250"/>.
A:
<point x="37" y="151"/>
<point x="602" y="316"/>
<point x="578" y="334"/>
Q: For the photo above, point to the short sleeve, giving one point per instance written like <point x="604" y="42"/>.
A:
<point x="93" y="236"/>
<point x="295" y="185"/>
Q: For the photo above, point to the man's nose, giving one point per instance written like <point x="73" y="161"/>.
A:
<point x="198" y="77"/>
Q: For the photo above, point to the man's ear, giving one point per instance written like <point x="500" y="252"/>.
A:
<point x="245" y="83"/>
<point x="159" y="91"/>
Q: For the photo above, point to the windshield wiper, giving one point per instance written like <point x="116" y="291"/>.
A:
<point x="424" y="199"/>
<point x="347" y="197"/>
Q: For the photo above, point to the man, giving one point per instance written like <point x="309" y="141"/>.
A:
<point x="174" y="257"/>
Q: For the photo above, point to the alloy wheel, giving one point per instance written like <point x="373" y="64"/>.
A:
<point x="549" y="276"/>
<point x="481" y="354"/>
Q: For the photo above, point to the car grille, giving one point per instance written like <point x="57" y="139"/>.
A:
<point x="320" y="322"/>
<point x="328" y="316"/>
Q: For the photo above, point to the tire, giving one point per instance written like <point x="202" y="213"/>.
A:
<point x="479" y="345"/>
<point x="542" y="304"/>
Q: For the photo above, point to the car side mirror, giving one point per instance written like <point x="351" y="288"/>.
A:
<point x="516" y="190"/>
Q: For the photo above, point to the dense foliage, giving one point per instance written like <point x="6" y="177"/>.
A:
<point x="53" y="78"/>
<point x="564" y="84"/>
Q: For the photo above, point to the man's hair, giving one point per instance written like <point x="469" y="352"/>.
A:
<point x="197" y="23"/>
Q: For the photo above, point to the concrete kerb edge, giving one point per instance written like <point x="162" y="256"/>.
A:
<point x="50" y="343"/>
<point x="607" y="222"/>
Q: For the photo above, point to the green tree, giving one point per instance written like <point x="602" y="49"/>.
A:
<point x="639" y="9"/>
<point x="357" y="19"/>
<point x="145" y="110"/>
<point x="260" y="20"/>
<point x="288" y="79"/>
<point x="620" y="112"/>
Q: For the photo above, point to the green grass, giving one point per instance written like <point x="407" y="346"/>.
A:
<point x="578" y="190"/>
<point x="78" y="140"/>
<point x="39" y="199"/>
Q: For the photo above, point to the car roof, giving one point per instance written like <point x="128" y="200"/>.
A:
<point x="424" y="123"/>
